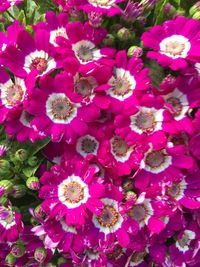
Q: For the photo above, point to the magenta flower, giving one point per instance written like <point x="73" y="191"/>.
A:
<point x="6" y="4"/>
<point x="70" y="192"/>
<point x="18" y="124"/>
<point x="84" y="40"/>
<point x="57" y="112"/>
<point x="10" y="224"/>
<point x="127" y="82"/>
<point x="173" y="44"/>
<point x="33" y="55"/>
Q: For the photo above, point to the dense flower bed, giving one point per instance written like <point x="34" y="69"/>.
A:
<point x="99" y="137"/>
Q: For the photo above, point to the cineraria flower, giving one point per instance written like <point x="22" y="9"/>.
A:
<point x="178" y="102"/>
<point x="186" y="248"/>
<point x="55" y="25"/>
<point x="118" y="157"/>
<point x="19" y="124"/>
<point x="12" y="94"/>
<point x="57" y="112"/>
<point x="107" y="7"/>
<point x="11" y="35"/>
<point x="10" y="224"/>
<point x="6" y="4"/>
<point x="162" y="165"/>
<point x="173" y="43"/>
<point x="71" y="191"/>
<point x="111" y="223"/>
<point x="142" y="123"/>
<point x="186" y="191"/>
<point x="127" y="81"/>
<point x="83" y="40"/>
<point x="32" y="55"/>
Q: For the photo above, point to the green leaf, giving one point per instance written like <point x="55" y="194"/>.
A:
<point x="37" y="146"/>
<point x="159" y="11"/>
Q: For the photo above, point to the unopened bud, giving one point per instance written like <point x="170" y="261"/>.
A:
<point x="124" y="34"/>
<point x="40" y="255"/>
<point x="109" y="40"/>
<point x="21" y="154"/>
<point x="33" y="183"/>
<point x="10" y="259"/>
<point x="39" y="212"/>
<point x="130" y="195"/>
<point x="18" y="250"/>
<point x="135" y="51"/>
<point x="18" y="191"/>
<point x="5" y="187"/>
<point x="5" y="168"/>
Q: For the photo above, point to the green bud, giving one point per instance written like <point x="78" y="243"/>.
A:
<point x="5" y="168"/>
<point x="10" y="259"/>
<point x="3" y="201"/>
<point x="39" y="212"/>
<point x="135" y="51"/>
<point x="194" y="9"/>
<point x="33" y="221"/>
<point x="124" y="34"/>
<point x="18" y="250"/>
<point x="5" y="187"/>
<point x="128" y="185"/>
<point x="33" y="183"/>
<point x="32" y="161"/>
<point x="130" y="196"/>
<point x="196" y="15"/>
<point x="109" y="40"/>
<point x="18" y="190"/>
<point x="21" y="154"/>
<point x="40" y="255"/>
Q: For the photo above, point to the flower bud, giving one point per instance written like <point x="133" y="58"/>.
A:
<point x="5" y="168"/>
<point x="39" y="212"/>
<point x="135" y="51"/>
<point x="169" y="10"/>
<point x="32" y="161"/>
<point x="18" y="190"/>
<point x="194" y="9"/>
<point x="5" y="187"/>
<point x="18" y="250"/>
<point x="33" y="183"/>
<point x="109" y="40"/>
<point x="3" y="201"/>
<point x="40" y="255"/>
<point x="196" y="15"/>
<point x="10" y="259"/>
<point x="21" y="154"/>
<point x="95" y="19"/>
<point x="130" y="196"/>
<point x="61" y="260"/>
<point x="128" y="185"/>
<point x="148" y="4"/>
<point x="3" y="150"/>
<point x="124" y="34"/>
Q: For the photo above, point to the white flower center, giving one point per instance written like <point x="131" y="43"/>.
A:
<point x="87" y="145"/>
<point x="60" y="109"/>
<point x="84" y="51"/>
<point x="102" y="3"/>
<point x="26" y="118"/>
<point x="59" y="32"/>
<point x="175" y="46"/>
<point x="72" y="192"/>
<point x="157" y="161"/>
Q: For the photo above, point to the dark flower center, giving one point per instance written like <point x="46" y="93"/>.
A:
<point x="14" y="94"/>
<point x="138" y="213"/>
<point x="73" y="192"/>
<point x="176" y="105"/>
<point x="119" y="146"/>
<point x="39" y="63"/>
<point x="62" y="108"/>
<point x="121" y="86"/>
<point x="85" y="53"/>
<point x="83" y="87"/>
<point x="145" y="121"/>
<point x="109" y="216"/>
<point x="88" y="145"/>
<point x="155" y="158"/>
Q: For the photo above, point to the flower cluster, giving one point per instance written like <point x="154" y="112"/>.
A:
<point x="121" y="185"/>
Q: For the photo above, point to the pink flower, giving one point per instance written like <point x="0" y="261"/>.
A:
<point x="34" y="56"/>
<point x="128" y="81"/>
<point x="173" y="44"/>
<point x="57" y="111"/>
<point x="6" y="4"/>
<point x="71" y="192"/>
<point x="10" y="224"/>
